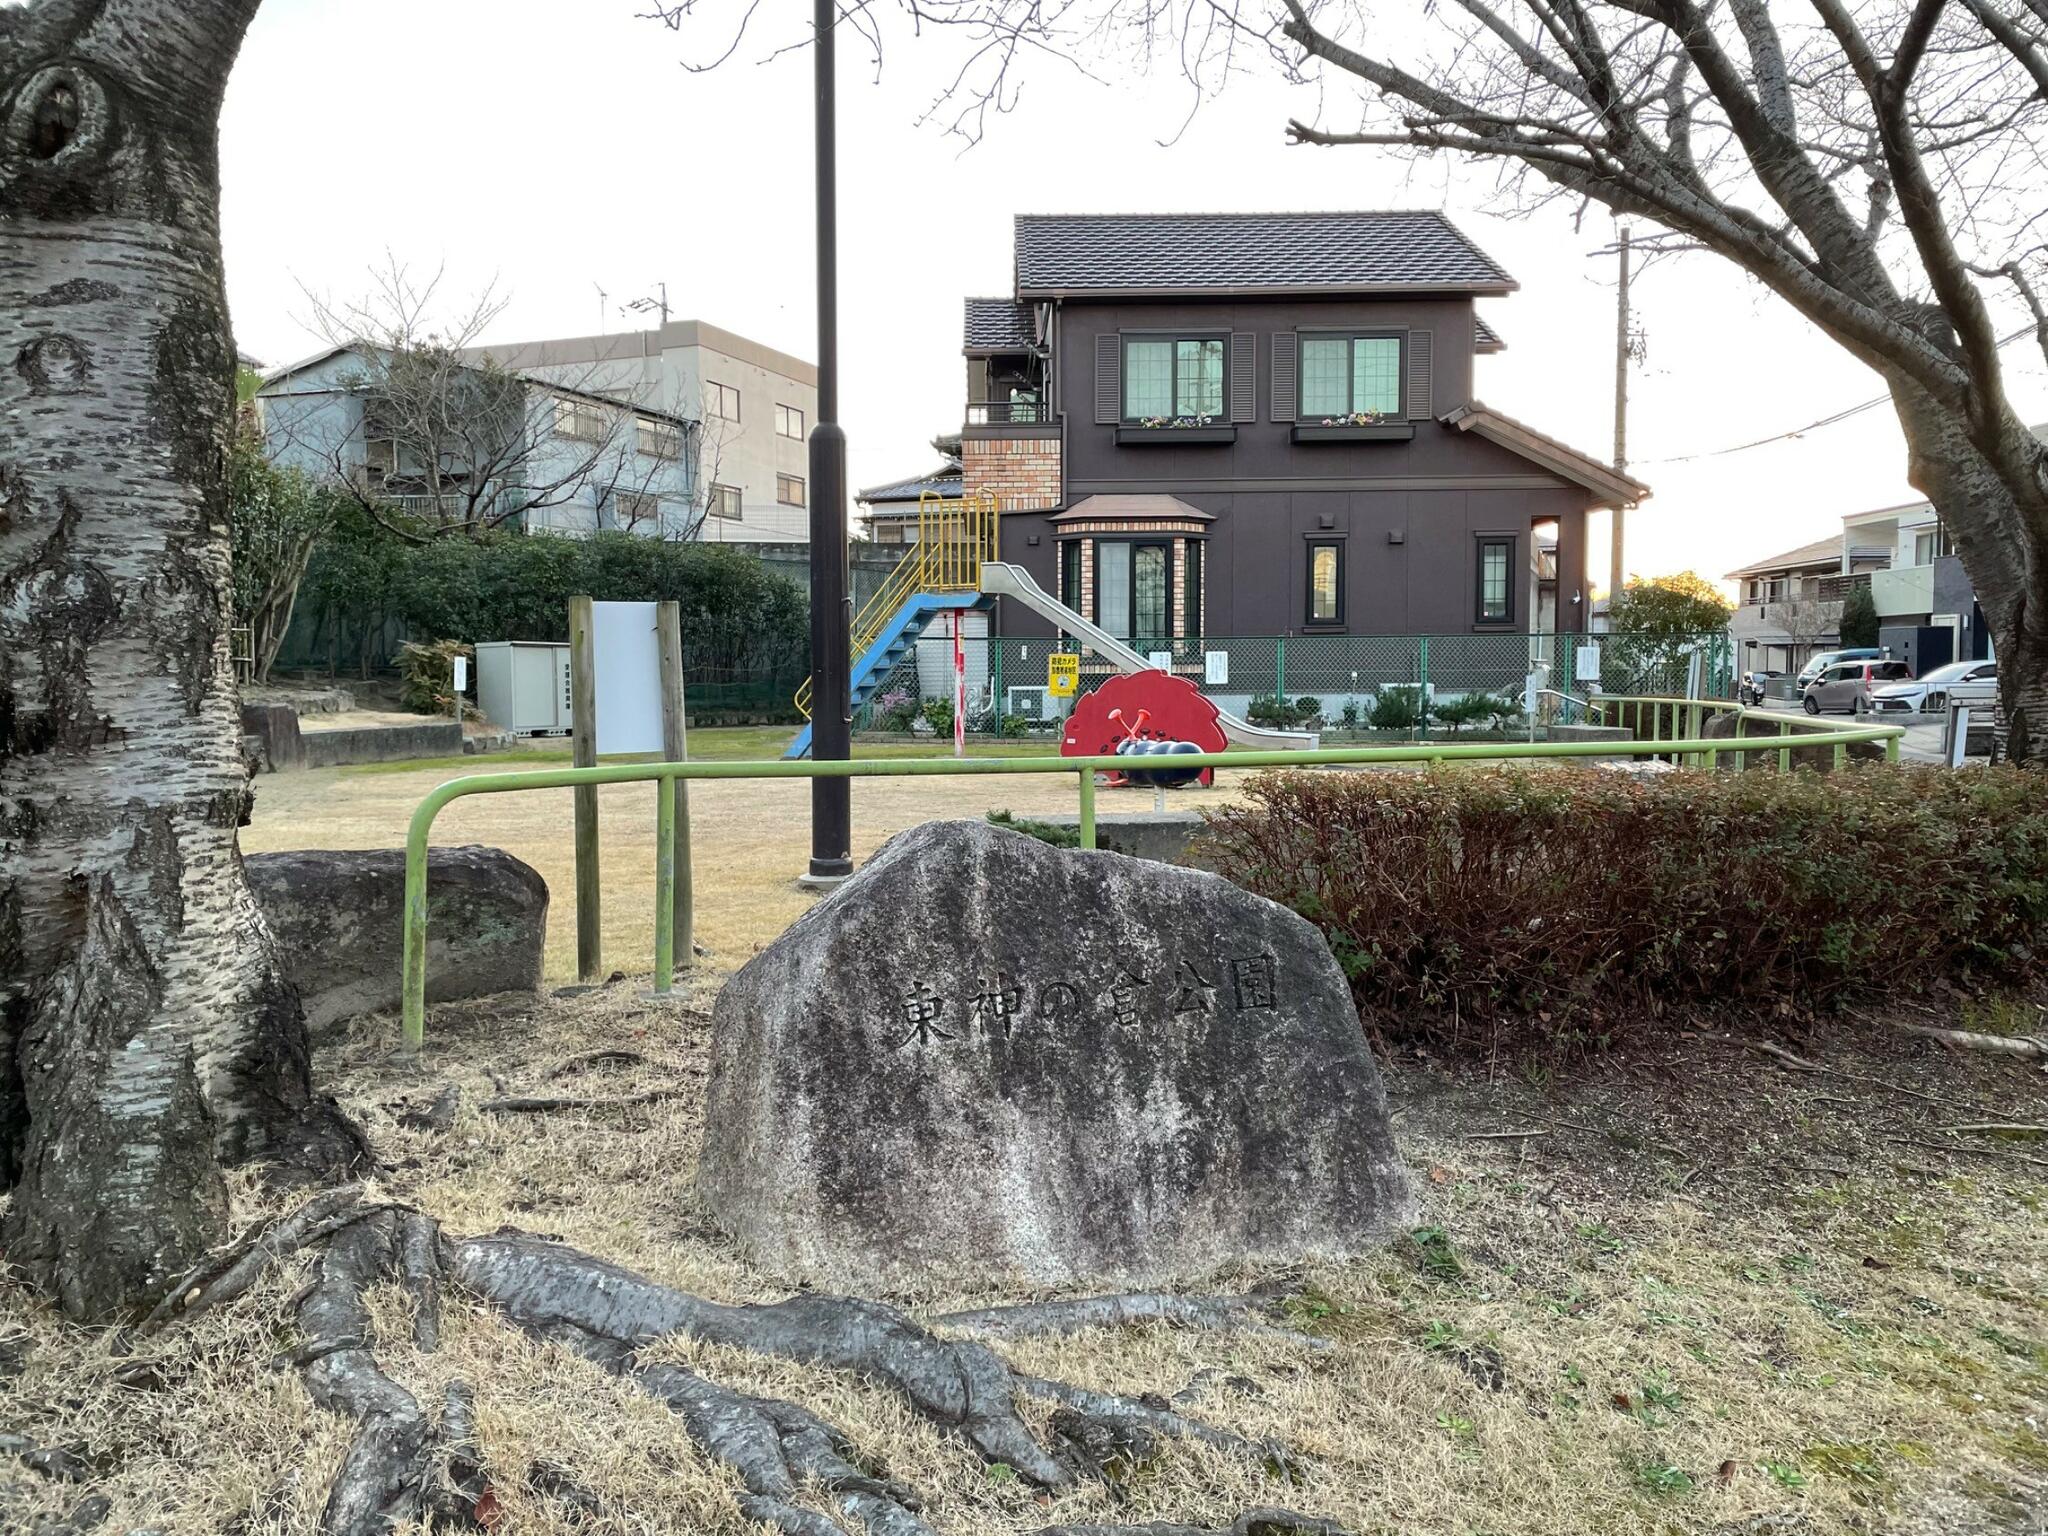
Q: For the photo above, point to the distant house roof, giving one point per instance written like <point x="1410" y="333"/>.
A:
<point x="944" y="482"/>
<point x="1607" y="483"/>
<point x="1819" y="552"/>
<point x="1385" y="251"/>
<point x="1485" y="338"/>
<point x="278" y="375"/>
<point x="998" y="325"/>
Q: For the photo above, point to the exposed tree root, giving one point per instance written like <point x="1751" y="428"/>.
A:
<point x="224" y="1276"/>
<point x="775" y="1447"/>
<point x="382" y="1481"/>
<point x="399" y="1466"/>
<point x="2026" y="1047"/>
<point x="1244" y="1314"/>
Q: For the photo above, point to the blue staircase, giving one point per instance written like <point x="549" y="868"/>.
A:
<point x="891" y="644"/>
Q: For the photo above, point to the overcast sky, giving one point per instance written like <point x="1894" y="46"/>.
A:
<point x="556" y="146"/>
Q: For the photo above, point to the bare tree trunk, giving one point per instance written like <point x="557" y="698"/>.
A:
<point x="145" y="1031"/>
<point x="1999" y="525"/>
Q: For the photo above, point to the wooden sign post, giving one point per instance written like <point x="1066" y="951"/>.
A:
<point x="583" y="754"/>
<point x="675" y="747"/>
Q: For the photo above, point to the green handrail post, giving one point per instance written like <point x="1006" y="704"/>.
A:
<point x="1891" y="749"/>
<point x="664" y="886"/>
<point x="1784" y="753"/>
<point x="1087" y="807"/>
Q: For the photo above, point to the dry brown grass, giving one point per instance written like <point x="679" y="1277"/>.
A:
<point x="1704" y="1266"/>
<point x="1676" y="1279"/>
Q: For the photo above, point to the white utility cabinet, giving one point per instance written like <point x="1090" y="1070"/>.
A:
<point x="522" y="686"/>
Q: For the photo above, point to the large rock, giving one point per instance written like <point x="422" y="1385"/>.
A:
<point x="984" y="1058"/>
<point x="337" y="916"/>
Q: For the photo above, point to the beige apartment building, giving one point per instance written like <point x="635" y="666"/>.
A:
<point x="756" y="406"/>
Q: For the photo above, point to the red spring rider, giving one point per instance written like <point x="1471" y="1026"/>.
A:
<point x="1144" y="712"/>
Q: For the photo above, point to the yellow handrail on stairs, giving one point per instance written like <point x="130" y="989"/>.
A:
<point x="953" y="538"/>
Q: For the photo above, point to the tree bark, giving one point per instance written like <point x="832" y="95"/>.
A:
<point x="145" y="1030"/>
<point x="1996" y="514"/>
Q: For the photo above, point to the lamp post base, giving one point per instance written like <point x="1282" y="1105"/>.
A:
<point x="826" y="874"/>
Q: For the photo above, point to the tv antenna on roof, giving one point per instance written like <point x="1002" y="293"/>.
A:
<point x="650" y="305"/>
<point x="602" y="321"/>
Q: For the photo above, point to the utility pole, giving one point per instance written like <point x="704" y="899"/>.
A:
<point x="831" y="617"/>
<point x="1623" y="343"/>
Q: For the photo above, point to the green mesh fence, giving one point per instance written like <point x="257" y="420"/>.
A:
<point x="1349" y="682"/>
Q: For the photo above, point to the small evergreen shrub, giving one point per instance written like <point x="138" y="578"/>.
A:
<point x="1567" y="902"/>
<point x="1281" y="713"/>
<point x="1397" y="707"/>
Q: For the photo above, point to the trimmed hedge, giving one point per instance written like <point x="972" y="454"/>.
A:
<point x="1567" y="903"/>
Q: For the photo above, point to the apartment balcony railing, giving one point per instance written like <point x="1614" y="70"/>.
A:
<point x="1008" y="413"/>
<point x="447" y="504"/>
<point x="1832" y="589"/>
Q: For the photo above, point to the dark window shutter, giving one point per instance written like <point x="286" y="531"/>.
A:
<point x="1421" y="407"/>
<point x="1109" y="406"/>
<point x="1283" y="375"/>
<point x="1244" y="376"/>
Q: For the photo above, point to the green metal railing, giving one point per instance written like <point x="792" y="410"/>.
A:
<point x="1693" y="748"/>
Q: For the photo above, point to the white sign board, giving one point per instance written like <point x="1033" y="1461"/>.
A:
<point x="1163" y="660"/>
<point x="1586" y="663"/>
<point x="462" y="674"/>
<point x="626" y="656"/>
<point x="1215" y="667"/>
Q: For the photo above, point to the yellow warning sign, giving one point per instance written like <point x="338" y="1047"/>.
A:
<point x="1063" y="674"/>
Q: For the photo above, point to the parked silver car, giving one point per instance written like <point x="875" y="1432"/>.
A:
<point x="1845" y="687"/>
<point x="1960" y="682"/>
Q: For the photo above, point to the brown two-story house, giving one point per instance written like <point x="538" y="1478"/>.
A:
<point x="1266" y="424"/>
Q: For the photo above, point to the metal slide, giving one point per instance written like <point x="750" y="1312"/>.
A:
<point x="1001" y="580"/>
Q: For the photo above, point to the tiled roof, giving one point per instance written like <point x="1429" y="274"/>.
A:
<point x="1484" y="337"/>
<point x="1821" y="552"/>
<point x="1387" y="251"/>
<point x="946" y="482"/>
<point x="998" y="325"/>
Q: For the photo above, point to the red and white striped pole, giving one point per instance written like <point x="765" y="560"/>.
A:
<point x="959" y="690"/>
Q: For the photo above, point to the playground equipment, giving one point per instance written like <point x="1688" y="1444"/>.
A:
<point x="941" y="575"/>
<point x="953" y="569"/>
<point x="1137" y="711"/>
<point x="1000" y="580"/>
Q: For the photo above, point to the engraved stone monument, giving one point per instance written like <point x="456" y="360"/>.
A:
<point x="987" y="1059"/>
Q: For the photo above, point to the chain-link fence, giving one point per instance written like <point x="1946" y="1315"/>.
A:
<point x="1367" y="684"/>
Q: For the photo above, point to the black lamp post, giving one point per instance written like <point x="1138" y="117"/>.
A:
<point x="831" y="617"/>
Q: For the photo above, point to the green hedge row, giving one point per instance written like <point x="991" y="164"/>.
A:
<point x="1575" y="903"/>
<point x="744" y="626"/>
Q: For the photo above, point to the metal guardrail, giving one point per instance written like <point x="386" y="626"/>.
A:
<point x="665" y="776"/>
<point x="1017" y="413"/>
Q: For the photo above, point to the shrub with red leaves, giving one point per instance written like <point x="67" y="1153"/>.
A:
<point x="1559" y="903"/>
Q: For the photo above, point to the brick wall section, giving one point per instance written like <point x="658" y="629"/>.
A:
<point x="1024" y="473"/>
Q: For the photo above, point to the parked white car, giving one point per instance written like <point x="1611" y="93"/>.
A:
<point x="1960" y="682"/>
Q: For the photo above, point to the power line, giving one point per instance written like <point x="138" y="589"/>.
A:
<point x="1811" y="426"/>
